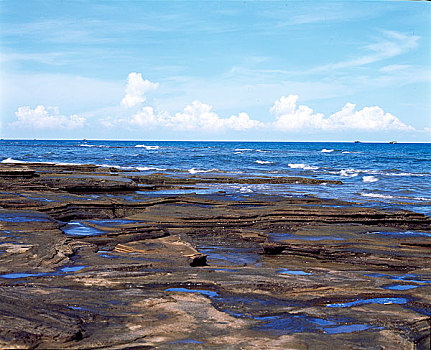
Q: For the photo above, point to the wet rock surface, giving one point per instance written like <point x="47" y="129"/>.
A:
<point x="94" y="257"/>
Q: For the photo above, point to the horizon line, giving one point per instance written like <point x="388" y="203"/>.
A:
<point x="251" y="141"/>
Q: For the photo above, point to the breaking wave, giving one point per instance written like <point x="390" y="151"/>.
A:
<point x="148" y="147"/>
<point x="369" y="179"/>
<point x="302" y="166"/>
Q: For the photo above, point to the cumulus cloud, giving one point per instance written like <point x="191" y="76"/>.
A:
<point x="196" y="116"/>
<point x="199" y="116"/>
<point x="46" y="118"/>
<point x="136" y="89"/>
<point x="368" y="118"/>
<point x="242" y="122"/>
<point x="289" y="117"/>
<point x="145" y="118"/>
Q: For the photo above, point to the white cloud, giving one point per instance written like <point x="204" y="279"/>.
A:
<point x="199" y="116"/>
<point x="241" y="122"/>
<point x="368" y="118"/>
<point x="395" y="68"/>
<point x="145" y="117"/>
<point x="46" y="118"/>
<point x="391" y="44"/>
<point x="289" y="117"/>
<point x="196" y="116"/>
<point x="136" y="89"/>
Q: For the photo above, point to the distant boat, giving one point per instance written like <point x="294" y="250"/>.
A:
<point x="357" y="142"/>
<point x="393" y="142"/>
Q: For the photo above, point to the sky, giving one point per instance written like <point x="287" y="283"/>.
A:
<point x="216" y="70"/>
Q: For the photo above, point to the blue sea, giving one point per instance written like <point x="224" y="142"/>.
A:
<point x="394" y="176"/>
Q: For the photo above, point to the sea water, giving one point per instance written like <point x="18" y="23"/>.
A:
<point x="394" y="176"/>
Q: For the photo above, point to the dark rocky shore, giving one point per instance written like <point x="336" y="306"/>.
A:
<point x="96" y="258"/>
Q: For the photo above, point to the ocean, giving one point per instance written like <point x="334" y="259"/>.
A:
<point x="388" y="176"/>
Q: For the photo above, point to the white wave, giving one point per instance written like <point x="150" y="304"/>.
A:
<point x="15" y="161"/>
<point x="376" y="195"/>
<point x="423" y="199"/>
<point x="243" y="149"/>
<point x="327" y="150"/>
<point x="147" y="147"/>
<point x="195" y="171"/>
<point x="262" y="151"/>
<point x="302" y="166"/>
<point x="403" y="174"/>
<point x="369" y="179"/>
<point x="237" y="152"/>
<point x="346" y="152"/>
<point x="263" y="162"/>
<point x="12" y="161"/>
<point x="349" y="172"/>
<point x="146" y="168"/>
<point x="245" y="190"/>
<point x="116" y="166"/>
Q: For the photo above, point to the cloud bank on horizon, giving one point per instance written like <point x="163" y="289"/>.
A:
<point x="289" y="116"/>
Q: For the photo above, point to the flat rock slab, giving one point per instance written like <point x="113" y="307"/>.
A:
<point x="89" y="261"/>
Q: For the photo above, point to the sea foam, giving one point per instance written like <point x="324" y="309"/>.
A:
<point x="302" y="166"/>
<point x="377" y="195"/>
<point x="327" y="150"/>
<point x="12" y="161"/>
<point x="148" y="147"/>
<point x="195" y="171"/>
<point x="349" y="172"/>
<point x="147" y="168"/>
<point x="263" y="162"/>
<point x="369" y="179"/>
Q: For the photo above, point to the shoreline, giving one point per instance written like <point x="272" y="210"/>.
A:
<point x="98" y="256"/>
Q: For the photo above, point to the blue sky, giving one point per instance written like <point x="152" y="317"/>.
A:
<point x="216" y="70"/>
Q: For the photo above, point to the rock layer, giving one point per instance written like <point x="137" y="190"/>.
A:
<point x="93" y="257"/>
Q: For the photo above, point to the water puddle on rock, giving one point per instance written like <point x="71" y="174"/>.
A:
<point x="71" y="269"/>
<point x="111" y="223"/>
<point x="76" y="307"/>
<point x="185" y="341"/>
<point x="22" y="275"/>
<point x="23" y="217"/>
<point x="107" y="254"/>
<point x="408" y="278"/>
<point x="293" y="272"/>
<point x="229" y="255"/>
<point x="348" y="328"/>
<point x="77" y="228"/>
<point x="208" y="293"/>
<point x="359" y="302"/>
<point x="400" y="233"/>
<point x="61" y="271"/>
<point x="285" y="323"/>
<point x="298" y="323"/>
<point x="400" y="287"/>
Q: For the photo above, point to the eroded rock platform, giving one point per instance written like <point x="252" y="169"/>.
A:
<point x="95" y="257"/>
